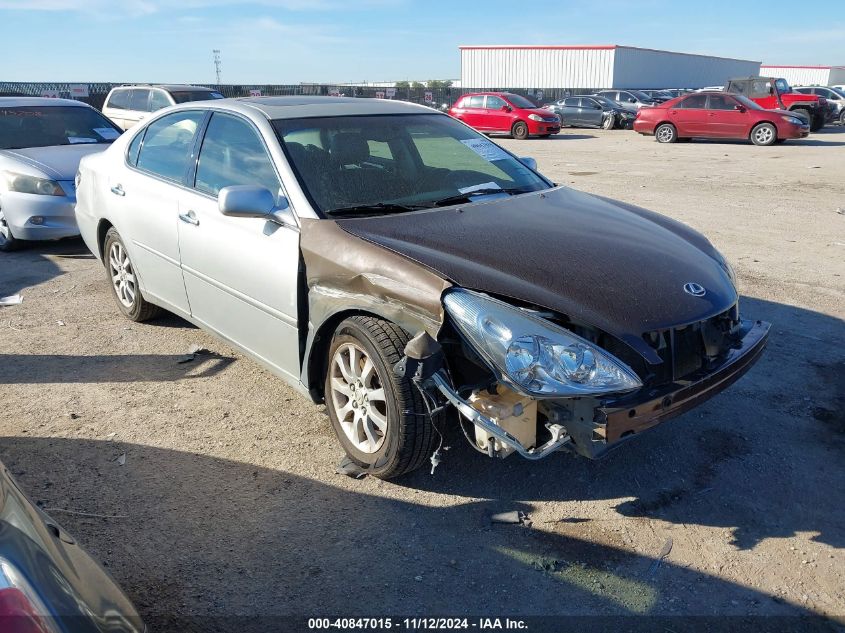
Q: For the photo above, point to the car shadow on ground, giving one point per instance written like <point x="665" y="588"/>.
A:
<point x="194" y="536"/>
<point x="34" y="264"/>
<point x="764" y="459"/>
<point x="62" y="368"/>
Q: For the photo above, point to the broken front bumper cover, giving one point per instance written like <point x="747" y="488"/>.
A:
<point x="616" y="419"/>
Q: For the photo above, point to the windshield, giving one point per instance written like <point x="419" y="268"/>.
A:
<point x="44" y="126"/>
<point x="782" y="86"/>
<point x="519" y="101"/>
<point x="640" y="95"/>
<point x="359" y="165"/>
<point x="183" y="96"/>
<point x="607" y="103"/>
<point x="748" y="103"/>
<point x="838" y="91"/>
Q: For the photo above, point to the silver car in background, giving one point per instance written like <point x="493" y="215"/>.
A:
<point x="41" y="144"/>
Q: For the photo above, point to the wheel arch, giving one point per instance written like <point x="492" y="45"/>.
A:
<point x="102" y="229"/>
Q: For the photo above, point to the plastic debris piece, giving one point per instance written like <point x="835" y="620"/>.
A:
<point x="664" y="552"/>
<point x="11" y="300"/>
<point x="350" y="469"/>
<point x="512" y="518"/>
<point x="60" y="323"/>
<point x="121" y="460"/>
<point x="435" y="460"/>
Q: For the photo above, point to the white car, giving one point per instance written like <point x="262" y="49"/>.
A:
<point x="41" y="144"/>
<point x="127" y="105"/>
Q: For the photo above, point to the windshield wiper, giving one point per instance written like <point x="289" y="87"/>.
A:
<point x="378" y="207"/>
<point x="467" y="197"/>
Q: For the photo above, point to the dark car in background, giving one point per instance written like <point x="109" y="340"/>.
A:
<point x="637" y="98"/>
<point x="505" y="113"/>
<point x="589" y="111"/>
<point x="48" y="583"/>
<point x="835" y="99"/>
<point x="661" y="96"/>
<point x="719" y="115"/>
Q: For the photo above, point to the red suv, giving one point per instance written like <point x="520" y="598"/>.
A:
<point x="505" y="112"/>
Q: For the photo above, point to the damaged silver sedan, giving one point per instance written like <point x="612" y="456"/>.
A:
<point x="396" y="265"/>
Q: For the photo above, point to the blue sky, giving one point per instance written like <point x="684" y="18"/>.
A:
<point x="288" y="41"/>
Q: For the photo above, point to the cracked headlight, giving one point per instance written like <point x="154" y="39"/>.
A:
<point x="23" y="183"/>
<point x="533" y="355"/>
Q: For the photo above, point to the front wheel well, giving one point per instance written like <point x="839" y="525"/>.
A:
<point x="317" y="361"/>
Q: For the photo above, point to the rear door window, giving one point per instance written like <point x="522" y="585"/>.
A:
<point x="139" y="101"/>
<point x="475" y="102"/>
<point x="167" y="144"/>
<point x="695" y="102"/>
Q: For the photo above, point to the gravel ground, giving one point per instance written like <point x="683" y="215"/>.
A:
<point x="228" y="504"/>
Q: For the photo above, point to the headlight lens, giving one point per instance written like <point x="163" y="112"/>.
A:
<point x="536" y="357"/>
<point x="23" y="183"/>
<point x="535" y="117"/>
<point x="794" y="120"/>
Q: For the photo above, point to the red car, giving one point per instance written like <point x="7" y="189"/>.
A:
<point x="505" y="112"/>
<point x="719" y="115"/>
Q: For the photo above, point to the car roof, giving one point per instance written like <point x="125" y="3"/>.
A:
<point x="315" y="106"/>
<point x="171" y="87"/>
<point x="13" y="102"/>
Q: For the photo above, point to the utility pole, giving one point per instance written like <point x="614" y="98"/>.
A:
<point x="216" y="52"/>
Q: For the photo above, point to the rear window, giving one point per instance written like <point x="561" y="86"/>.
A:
<point x="45" y="126"/>
<point x="140" y="100"/>
<point x="184" y="96"/>
<point x="119" y="100"/>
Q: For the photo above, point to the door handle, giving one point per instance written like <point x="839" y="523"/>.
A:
<point x="190" y="218"/>
<point x="118" y="190"/>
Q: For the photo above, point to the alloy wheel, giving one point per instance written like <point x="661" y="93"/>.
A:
<point x="358" y="398"/>
<point x="122" y="275"/>
<point x="764" y="135"/>
<point x="5" y="232"/>
<point x="665" y="134"/>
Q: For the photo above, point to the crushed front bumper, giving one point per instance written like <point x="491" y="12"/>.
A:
<point x="616" y="419"/>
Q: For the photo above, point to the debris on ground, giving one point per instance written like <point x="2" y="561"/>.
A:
<point x="60" y="323"/>
<point x="121" y="461"/>
<point x="515" y="517"/>
<point x="11" y="300"/>
<point x="193" y="352"/>
<point x="664" y="552"/>
<point x="350" y="469"/>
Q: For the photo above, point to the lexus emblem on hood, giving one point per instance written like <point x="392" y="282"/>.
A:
<point x="694" y="289"/>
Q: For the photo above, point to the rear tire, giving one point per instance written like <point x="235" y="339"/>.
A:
<point x="519" y="130"/>
<point x="666" y="133"/>
<point x="120" y="273"/>
<point x="817" y="123"/>
<point x="8" y="243"/>
<point x="379" y="418"/>
<point x="842" y="117"/>
<point x="764" y="134"/>
<point x="804" y="113"/>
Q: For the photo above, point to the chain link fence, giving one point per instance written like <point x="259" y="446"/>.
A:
<point x="435" y="97"/>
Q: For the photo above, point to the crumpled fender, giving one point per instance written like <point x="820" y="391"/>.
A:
<point x="345" y="274"/>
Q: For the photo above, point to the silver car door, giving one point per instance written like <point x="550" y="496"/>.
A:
<point x="144" y="199"/>
<point x="240" y="273"/>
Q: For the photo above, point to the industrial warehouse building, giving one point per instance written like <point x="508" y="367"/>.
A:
<point x="594" y="67"/>
<point x="807" y="75"/>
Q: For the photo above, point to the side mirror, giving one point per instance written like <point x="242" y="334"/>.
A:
<point x="528" y="162"/>
<point x="739" y="107"/>
<point x="251" y="201"/>
<point x="631" y="100"/>
<point x="506" y="108"/>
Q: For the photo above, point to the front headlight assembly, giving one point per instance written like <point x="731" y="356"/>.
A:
<point x="533" y="355"/>
<point x="24" y="183"/>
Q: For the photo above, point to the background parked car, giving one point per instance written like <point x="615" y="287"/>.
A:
<point x="633" y="97"/>
<point x="711" y="89"/>
<point x="661" y="96"/>
<point x="127" y="105"/>
<point x="505" y="112"/>
<point x="834" y="97"/>
<point x="48" y="583"/>
<point x="719" y="115"/>
<point x="587" y="111"/>
<point x="41" y="144"/>
<point x="677" y="92"/>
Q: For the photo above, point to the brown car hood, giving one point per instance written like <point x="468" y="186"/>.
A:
<point x="603" y="263"/>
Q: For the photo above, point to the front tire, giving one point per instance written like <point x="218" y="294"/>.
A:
<point x="8" y="243"/>
<point x="123" y="281"/>
<point x="666" y="133"/>
<point x="764" y="134"/>
<point x="608" y="122"/>
<point x="842" y="117"/>
<point x="519" y="131"/>
<point x="379" y="418"/>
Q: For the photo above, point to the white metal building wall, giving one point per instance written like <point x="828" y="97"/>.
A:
<point x="645" y="68"/>
<point x="536" y="67"/>
<point x="807" y="75"/>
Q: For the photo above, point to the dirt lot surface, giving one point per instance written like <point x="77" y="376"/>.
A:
<point x="228" y="502"/>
